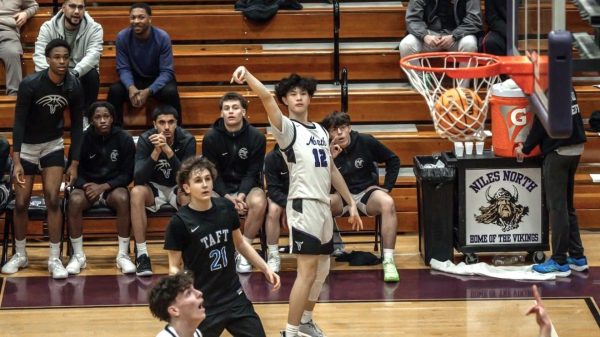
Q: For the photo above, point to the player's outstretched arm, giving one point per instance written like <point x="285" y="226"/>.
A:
<point x="340" y="185"/>
<point x="541" y="316"/>
<point x="252" y="256"/>
<point x="175" y="261"/>
<point x="241" y="75"/>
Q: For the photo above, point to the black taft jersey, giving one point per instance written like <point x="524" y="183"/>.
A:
<point x="358" y="163"/>
<point x="205" y="240"/>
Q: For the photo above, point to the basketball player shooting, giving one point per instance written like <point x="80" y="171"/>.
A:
<point x="305" y="146"/>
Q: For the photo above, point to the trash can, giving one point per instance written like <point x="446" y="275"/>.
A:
<point x="436" y="207"/>
<point x="511" y="119"/>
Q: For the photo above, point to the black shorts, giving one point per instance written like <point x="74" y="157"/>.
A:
<point x="240" y="320"/>
<point x="56" y="158"/>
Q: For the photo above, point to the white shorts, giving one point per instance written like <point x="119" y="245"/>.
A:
<point x="361" y="199"/>
<point x="311" y="227"/>
<point x="40" y="156"/>
<point x="162" y="195"/>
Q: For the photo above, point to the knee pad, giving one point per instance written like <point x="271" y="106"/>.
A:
<point x="322" y="272"/>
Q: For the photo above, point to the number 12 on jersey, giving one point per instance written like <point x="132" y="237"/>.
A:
<point x="320" y="157"/>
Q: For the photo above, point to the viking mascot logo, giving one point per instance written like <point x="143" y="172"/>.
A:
<point x="502" y="210"/>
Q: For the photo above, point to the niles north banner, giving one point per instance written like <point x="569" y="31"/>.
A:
<point x="503" y="206"/>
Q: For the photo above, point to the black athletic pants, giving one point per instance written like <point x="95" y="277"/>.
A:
<point x="240" y="320"/>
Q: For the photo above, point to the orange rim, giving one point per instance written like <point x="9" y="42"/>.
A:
<point x="487" y="65"/>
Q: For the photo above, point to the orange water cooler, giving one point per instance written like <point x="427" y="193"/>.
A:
<point x="511" y="119"/>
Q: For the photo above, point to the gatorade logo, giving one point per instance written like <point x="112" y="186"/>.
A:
<point x="518" y="117"/>
<point x="516" y="123"/>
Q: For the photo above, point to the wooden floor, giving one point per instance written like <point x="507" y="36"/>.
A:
<point x="571" y="315"/>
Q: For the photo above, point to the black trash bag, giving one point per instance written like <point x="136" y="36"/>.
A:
<point x="595" y="121"/>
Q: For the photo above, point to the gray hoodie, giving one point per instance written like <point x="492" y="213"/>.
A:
<point x="87" y="47"/>
<point x="8" y="9"/>
<point x="421" y="17"/>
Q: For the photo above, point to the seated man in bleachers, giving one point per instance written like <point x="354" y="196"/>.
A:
<point x="159" y="154"/>
<point x="441" y="26"/>
<point x="144" y="63"/>
<point x="494" y="41"/>
<point x="13" y="15"/>
<point x="238" y="151"/>
<point x="278" y="181"/>
<point x="84" y="35"/>
<point x="356" y="155"/>
<point x="38" y="146"/>
<point x="105" y="171"/>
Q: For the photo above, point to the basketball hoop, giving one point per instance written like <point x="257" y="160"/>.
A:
<point x="456" y="87"/>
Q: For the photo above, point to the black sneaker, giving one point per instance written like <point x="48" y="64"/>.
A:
<point x="143" y="266"/>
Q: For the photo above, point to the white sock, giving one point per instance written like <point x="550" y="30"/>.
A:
<point x="291" y="330"/>
<point x="77" y="245"/>
<point x="20" y="246"/>
<point x="274" y="249"/>
<point x="123" y="245"/>
<point x="54" y="251"/>
<point x="388" y="254"/>
<point x="141" y="249"/>
<point x="306" y="317"/>
<point x="248" y="240"/>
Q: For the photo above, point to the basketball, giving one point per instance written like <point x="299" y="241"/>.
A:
<point x="458" y="111"/>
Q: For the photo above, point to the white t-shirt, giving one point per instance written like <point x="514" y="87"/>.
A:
<point x="168" y="331"/>
<point x="305" y="149"/>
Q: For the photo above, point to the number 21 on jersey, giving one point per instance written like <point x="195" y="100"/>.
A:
<point x="320" y="157"/>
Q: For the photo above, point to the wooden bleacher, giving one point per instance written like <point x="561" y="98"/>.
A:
<point x="211" y="39"/>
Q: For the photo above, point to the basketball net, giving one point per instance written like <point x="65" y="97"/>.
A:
<point x="439" y="76"/>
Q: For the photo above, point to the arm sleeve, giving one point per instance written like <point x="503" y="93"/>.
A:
<point x="208" y="151"/>
<point x="175" y="234"/>
<point x="144" y="164"/>
<point x="93" y="51"/>
<point x="257" y="157"/>
<point x="188" y="151"/>
<point x="494" y="21"/>
<point x="122" y="60"/>
<point x="166" y="65"/>
<point x="22" y="108"/>
<point x="391" y="160"/>
<point x="44" y="36"/>
<point x="415" y="20"/>
<point x="76" y="109"/>
<point x="275" y="183"/>
<point x="30" y="7"/>
<point x="535" y="137"/>
<point x="471" y="24"/>
<point x="126" y="163"/>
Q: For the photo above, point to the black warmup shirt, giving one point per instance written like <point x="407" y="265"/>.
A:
<point x="277" y="177"/>
<point x="205" y="240"/>
<point x="40" y="108"/>
<point x="358" y="163"/>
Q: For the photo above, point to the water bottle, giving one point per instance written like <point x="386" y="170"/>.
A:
<point x="508" y="260"/>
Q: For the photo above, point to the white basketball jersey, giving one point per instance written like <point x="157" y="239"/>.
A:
<point x="308" y="159"/>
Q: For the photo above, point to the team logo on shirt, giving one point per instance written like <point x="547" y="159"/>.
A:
<point x="164" y="166"/>
<point x="53" y="102"/>
<point x="359" y="162"/>
<point x="243" y="153"/>
<point x="114" y="155"/>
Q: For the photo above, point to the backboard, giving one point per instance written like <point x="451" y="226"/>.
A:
<point x="537" y="29"/>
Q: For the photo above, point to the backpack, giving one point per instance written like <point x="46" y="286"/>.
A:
<point x="258" y="10"/>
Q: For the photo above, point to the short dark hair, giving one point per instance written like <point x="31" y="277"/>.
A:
<point x="233" y="96"/>
<point x="100" y="104"/>
<point x="295" y="81"/>
<point x="164" y="293"/>
<point x="164" y="109"/>
<point x="192" y="164"/>
<point x="335" y="120"/>
<point x="143" y="6"/>
<point x="54" y="44"/>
